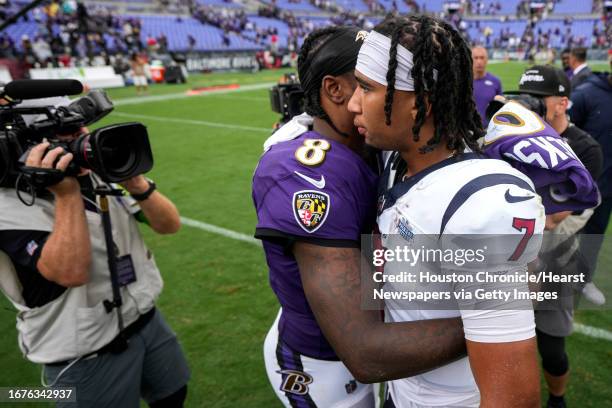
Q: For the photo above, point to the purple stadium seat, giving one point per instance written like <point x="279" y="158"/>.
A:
<point x="265" y="22"/>
<point x="220" y="3"/>
<point x="573" y="7"/>
<point x="210" y="38"/>
<point x="353" y="5"/>
<point x="298" y="5"/>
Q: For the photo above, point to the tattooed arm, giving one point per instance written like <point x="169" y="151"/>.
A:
<point x="372" y="350"/>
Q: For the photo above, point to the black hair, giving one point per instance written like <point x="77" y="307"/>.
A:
<point x="435" y="45"/>
<point x="312" y="44"/>
<point x="580" y="53"/>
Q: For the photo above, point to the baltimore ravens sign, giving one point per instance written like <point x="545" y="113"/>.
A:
<point x="310" y="209"/>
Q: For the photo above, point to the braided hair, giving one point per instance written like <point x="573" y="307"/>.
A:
<point x="435" y="45"/>
<point x="312" y="43"/>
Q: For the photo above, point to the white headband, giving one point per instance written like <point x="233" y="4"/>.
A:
<point x="373" y="62"/>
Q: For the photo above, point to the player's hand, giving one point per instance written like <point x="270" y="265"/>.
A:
<point x="136" y="185"/>
<point x="500" y="98"/>
<point x="39" y="157"/>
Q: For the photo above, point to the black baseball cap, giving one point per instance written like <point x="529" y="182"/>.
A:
<point x="544" y="80"/>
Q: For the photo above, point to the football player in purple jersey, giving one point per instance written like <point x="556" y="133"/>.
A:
<point x="314" y="196"/>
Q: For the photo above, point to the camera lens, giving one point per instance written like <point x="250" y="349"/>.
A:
<point x="116" y="152"/>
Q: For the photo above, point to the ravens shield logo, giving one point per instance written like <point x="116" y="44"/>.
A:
<point x="310" y="209"/>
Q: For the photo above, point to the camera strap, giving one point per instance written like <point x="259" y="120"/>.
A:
<point x="114" y="263"/>
<point x="5" y="159"/>
<point x="41" y="178"/>
<point x="35" y="179"/>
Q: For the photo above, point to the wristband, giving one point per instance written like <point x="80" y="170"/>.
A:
<point x="146" y="194"/>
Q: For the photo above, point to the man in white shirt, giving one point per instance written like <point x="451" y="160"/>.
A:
<point x="580" y="69"/>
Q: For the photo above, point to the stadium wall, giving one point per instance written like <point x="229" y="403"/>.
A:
<point x="504" y="55"/>
<point x="198" y="62"/>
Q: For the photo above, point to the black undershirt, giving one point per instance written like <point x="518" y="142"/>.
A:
<point x="24" y="247"/>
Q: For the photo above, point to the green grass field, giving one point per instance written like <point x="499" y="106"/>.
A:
<point x="216" y="294"/>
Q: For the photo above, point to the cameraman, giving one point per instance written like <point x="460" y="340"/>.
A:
<point x="58" y="278"/>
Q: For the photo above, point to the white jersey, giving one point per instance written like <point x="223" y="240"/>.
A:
<point x="465" y="195"/>
<point x="302" y="381"/>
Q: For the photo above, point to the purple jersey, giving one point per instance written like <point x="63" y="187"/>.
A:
<point x="314" y="190"/>
<point x="520" y="137"/>
<point x="485" y="90"/>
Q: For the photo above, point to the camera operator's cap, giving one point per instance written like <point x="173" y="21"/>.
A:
<point x="543" y="80"/>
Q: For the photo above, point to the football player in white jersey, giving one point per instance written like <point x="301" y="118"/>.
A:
<point x="415" y="97"/>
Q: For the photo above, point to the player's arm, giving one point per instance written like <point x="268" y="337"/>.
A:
<point x="501" y="342"/>
<point x="372" y="350"/>
<point x="500" y="335"/>
<point x="507" y="374"/>
<point x="552" y="220"/>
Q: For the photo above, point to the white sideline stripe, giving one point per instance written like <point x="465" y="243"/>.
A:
<point x="578" y="328"/>
<point x="593" y="332"/>
<point x="242" y="98"/>
<point x="238" y="236"/>
<point x="194" y="122"/>
<point x="182" y="95"/>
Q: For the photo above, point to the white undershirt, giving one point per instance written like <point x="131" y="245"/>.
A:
<point x="580" y="68"/>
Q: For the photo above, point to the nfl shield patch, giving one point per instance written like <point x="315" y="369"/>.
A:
<point x="310" y="209"/>
<point x="31" y="247"/>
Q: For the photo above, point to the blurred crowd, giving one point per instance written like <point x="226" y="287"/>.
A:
<point x="71" y="34"/>
<point x="531" y="38"/>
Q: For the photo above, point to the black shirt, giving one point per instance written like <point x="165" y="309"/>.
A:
<point x="24" y="247"/>
<point x="586" y="148"/>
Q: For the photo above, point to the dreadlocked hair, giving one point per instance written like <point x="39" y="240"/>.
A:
<point x="435" y="45"/>
<point x="312" y="43"/>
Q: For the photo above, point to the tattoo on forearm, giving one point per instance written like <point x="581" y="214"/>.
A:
<point x="332" y="281"/>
